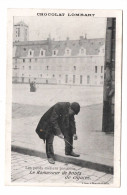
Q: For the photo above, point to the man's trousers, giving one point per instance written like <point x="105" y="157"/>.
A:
<point x="49" y="144"/>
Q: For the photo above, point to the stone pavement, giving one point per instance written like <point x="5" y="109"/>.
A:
<point x="30" y="169"/>
<point x="94" y="146"/>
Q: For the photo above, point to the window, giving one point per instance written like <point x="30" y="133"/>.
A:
<point x="18" y="29"/>
<point x="88" y="79"/>
<point x="54" y="52"/>
<point x="80" y="79"/>
<point x="15" y="60"/>
<point x="73" y="78"/>
<point x="66" y="78"/>
<point x="29" y="60"/>
<point x="22" y="75"/>
<point x="42" y="52"/>
<point x="82" y="51"/>
<point x="95" y="69"/>
<point x="23" y="67"/>
<point x="101" y="69"/>
<point x="53" y="75"/>
<point x="59" y="75"/>
<point x="101" y="81"/>
<point x="74" y="67"/>
<point x="102" y="50"/>
<point x="30" y="52"/>
<point x="68" y="51"/>
<point x="23" y="60"/>
<point x="24" y="49"/>
<point x="40" y="75"/>
<point x="47" y="67"/>
<point x="35" y="59"/>
<point x="29" y="67"/>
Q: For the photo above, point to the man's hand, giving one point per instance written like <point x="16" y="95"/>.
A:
<point x="61" y="136"/>
<point x="75" y="137"/>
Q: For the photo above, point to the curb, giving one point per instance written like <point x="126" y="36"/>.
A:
<point x="83" y="163"/>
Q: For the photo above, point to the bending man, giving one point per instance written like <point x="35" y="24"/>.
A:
<point x="59" y="120"/>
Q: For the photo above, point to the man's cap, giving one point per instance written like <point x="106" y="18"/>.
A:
<point x="75" y="107"/>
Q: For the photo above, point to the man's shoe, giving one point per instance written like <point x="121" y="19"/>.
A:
<point x="51" y="161"/>
<point x="72" y="154"/>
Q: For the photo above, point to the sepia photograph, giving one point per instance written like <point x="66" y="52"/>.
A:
<point x="64" y="77"/>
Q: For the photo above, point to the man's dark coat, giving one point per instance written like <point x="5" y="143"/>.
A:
<point x="56" y="120"/>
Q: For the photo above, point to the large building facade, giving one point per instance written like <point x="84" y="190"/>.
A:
<point x="73" y="62"/>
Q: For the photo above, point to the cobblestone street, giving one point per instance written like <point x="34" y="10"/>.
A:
<point x="25" y="168"/>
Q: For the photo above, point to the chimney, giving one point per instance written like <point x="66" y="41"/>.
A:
<point x="49" y="38"/>
<point x="49" y="41"/>
<point x="81" y="38"/>
<point x="67" y="38"/>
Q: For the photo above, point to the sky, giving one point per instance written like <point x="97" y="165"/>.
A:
<point x="60" y="28"/>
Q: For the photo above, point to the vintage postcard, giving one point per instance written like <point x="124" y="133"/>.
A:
<point x="63" y="118"/>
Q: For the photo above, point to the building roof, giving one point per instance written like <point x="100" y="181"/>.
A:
<point x="21" y="23"/>
<point x="92" y="46"/>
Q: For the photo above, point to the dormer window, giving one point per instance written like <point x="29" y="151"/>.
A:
<point x="102" y="50"/>
<point x="67" y="52"/>
<point x="30" y="52"/>
<point x="54" y="52"/>
<point x="42" y="52"/>
<point x="82" y="51"/>
<point x="74" y="67"/>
